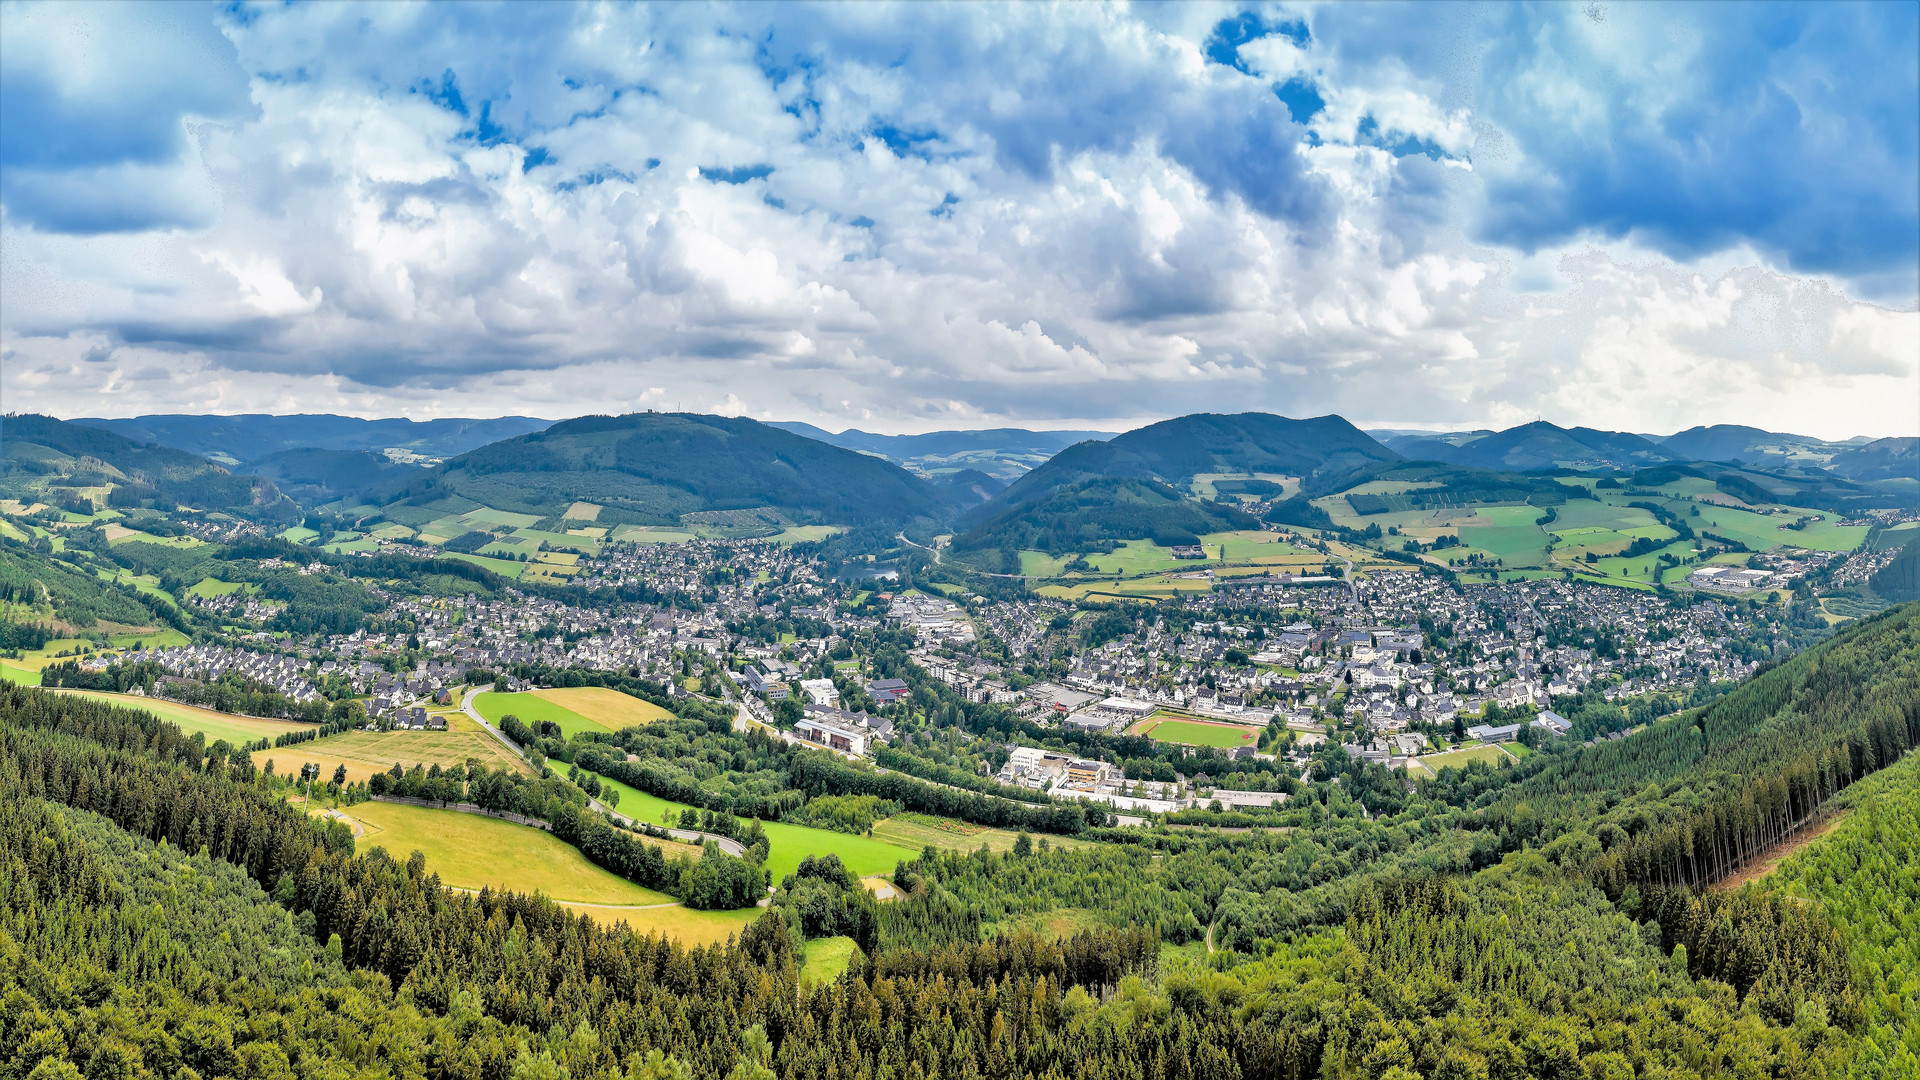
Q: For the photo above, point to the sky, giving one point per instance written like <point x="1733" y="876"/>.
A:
<point x="916" y="217"/>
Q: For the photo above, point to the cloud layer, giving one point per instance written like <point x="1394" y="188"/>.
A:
<point x="906" y="217"/>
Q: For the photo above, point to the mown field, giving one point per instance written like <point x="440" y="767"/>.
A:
<point x="786" y="844"/>
<point x="234" y="728"/>
<point x="470" y="851"/>
<point x="530" y="707"/>
<point x="609" y="708"/>
<point x="919" y="831"/>
<point x="1489" y="753"/>
<point x="367" y="752"/>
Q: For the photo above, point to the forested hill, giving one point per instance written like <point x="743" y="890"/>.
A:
<point x="251" y="436"/>
<point x="1325" y="452"/>
<point x="1095" y="515"/>
<point x="651" y="468"/>
<point x="1538" y="446"/>
<point x="54" y="460"/>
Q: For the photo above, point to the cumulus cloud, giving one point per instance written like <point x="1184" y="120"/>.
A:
<point x="913" y="216"/>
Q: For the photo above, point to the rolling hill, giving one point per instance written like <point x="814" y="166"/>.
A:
<point x="655" y="468"/>
<point x="1535" y="447"/>
<point x="313" y="476"/>
<point x="1325" y="453"/>
<point x="1881" y="459"/>
<point x="1095" y="515"/>
<point x="251" y="436"/>
<point x="1004" y="453"/>
<point x="59" y="461"/>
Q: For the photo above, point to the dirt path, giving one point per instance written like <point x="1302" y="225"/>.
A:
<point x="1765" y="863"/>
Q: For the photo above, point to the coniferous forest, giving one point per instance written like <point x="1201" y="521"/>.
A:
<point x="164" y="912"/>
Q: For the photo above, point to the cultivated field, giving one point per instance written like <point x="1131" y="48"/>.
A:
<point x="470" y="851"/>
<point x="367" y="752"/>
<point x="918" y="831"/>
<point x="609" y="708"/>
<point x="530" y="707"/>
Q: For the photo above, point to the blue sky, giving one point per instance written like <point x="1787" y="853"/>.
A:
<point x="907" y="217"/>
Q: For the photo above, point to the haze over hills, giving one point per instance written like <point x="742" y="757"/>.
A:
<point x="61" y="462"/>
<point x="249" y="437"/>
<point x="1005" y="453"/>
<point x="1536" y="446"/>
<point x="653" y="468"/>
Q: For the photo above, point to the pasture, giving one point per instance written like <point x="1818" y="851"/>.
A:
<point x="919" y="831"/>
<point x="506" y="568"/>
<point x="367" y="752"/>
<point x="786" y="844"/>
<point x="234" y="728"/>
<point x="1190" y="732"/>
<point x="209" y="587"/>
<point x="827" y="958"/>
<point x="676" y="921"/>
<point x="649" y="534"/>
<point x="471" y="851"/>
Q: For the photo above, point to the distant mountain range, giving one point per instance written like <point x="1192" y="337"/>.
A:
<point x="236" y="440"/>
<point x="654" y="468"/>
<point x="1004" y="453"/>
<point x="1541" y="446"/>
<point x="42" y="458"/>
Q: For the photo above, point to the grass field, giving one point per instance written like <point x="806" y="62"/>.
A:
<point x="647" y="534"/>
<point x="804" y="534"/>
<point x="917" y="831"/>
<point x="1491" y="754"/>
<point x="210" y="587"/>
<point x="1197" y="732"/>
<point x="530" y="707"/>
<point x="827" y="958"/>
<point x="470" y="851"/>
<point x="506" y="568"/>
<point x="15" y="673"/>
<point x="786" y="844"/>
<point x="609" y="708"/>
<point x="682" y="924"/>
<point x="367" y="752"/>
<point x="191" y="718"/>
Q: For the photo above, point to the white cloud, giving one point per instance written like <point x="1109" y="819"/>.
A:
<point x="1045" y="216"/>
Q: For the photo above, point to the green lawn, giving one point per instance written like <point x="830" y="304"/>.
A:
<point x="1197" y="733"/>
<point x="530" y="708"/>
<point x="299" y="534"/>
<point x="506" y="568"/>
<point x="786" y="844"/>
<point x="1041" y="564"/>
<point x="1492" y="755"/>
<point x="22" y="676"/>
<point x="827" y="958"/>
<point x="210" y="587"/>
<point x="471" y="851"/>
<point x="1145" y="557"/>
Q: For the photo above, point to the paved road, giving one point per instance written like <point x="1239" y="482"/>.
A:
<point x="692" y="836"/>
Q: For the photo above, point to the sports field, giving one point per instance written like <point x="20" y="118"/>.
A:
<point x="1489" y="753"/>
<point x="367" y="752"/>
<point x="1197" y="732"/>
<point x="471" y="851"/>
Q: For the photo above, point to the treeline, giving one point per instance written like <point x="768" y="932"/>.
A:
<point x="1520" y="972"/>
<point x="817" y="773"/>
<point x="1707" y="791"/>
<point x="230" y="693"/>
<point x="14" y="635"/>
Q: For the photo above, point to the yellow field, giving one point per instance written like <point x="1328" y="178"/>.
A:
<point x="470" y="851"/>
<point x="191" y="718"/>
<point x="367" y="752"/>
<point x="682" y="924"/>
<point x="611" y="708"/>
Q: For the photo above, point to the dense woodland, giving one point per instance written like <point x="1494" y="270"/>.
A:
<point x="1544" y="924"/>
